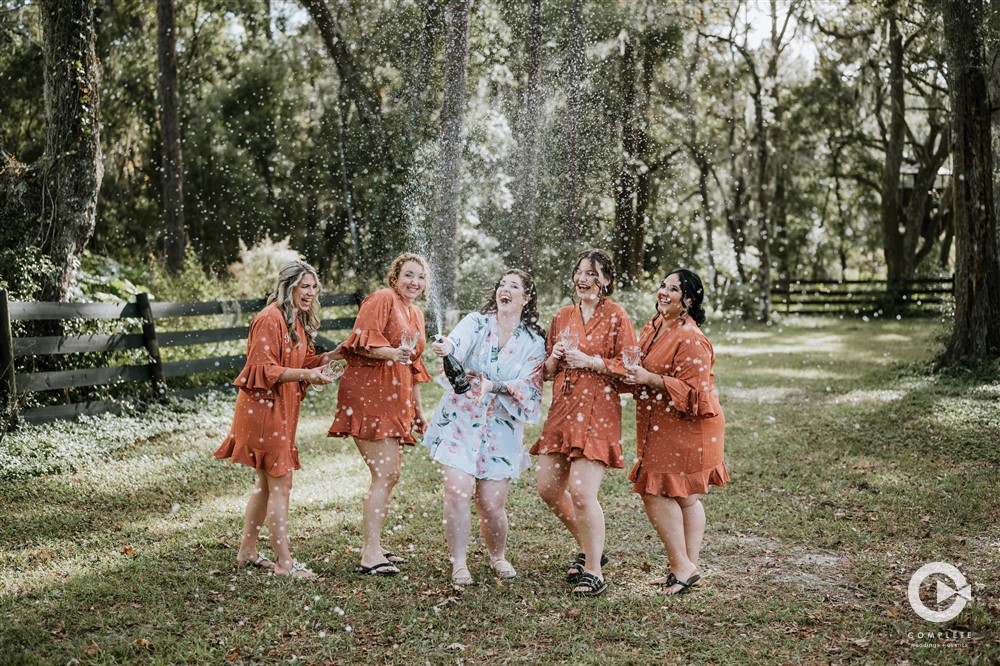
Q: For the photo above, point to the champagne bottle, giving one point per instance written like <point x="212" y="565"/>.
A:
<point x="454" y="371"/>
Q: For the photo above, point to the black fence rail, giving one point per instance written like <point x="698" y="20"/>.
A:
<point x="861" y="297"/>
<point x="142" y="316"/>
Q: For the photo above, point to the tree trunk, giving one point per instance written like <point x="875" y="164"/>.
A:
<point x="175" y="236"/>
<point x="572" y="214"/>
<point x="526" y="189"/>
<point x="448" y="182"/>
<point x="71" y="168"/>
<point x="976" y="335"/>
<point x="763" y="223"/>
<point x="625" y="187"/>
<point x="894" y="141"/>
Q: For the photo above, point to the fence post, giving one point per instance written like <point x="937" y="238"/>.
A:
<point x="8" y="387"/>
<point x="152" y="346"/>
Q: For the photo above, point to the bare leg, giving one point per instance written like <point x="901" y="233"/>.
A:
<point x="667" y="518"/>
<point x="384" y="458"/>
<point x="585" y="481"/>
<point x="694" y="525"/>
<point x="551" y="480"/>
<point x="253" y="520"/>
<point x="491" y="500"/>
<point x="458" y="489"/>
<point x="279" y="490"/>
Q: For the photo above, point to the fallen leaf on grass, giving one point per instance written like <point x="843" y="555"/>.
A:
<point x="646" y="567"/>
<point x="456" y="646"/>
<point x="129" y="551"/>
<point x="213" y="572"/>
<point x="144" y="643"/>
<point x="862" y="642"/>
<point x="92" y="650"/>
<point x="233" y="655"/>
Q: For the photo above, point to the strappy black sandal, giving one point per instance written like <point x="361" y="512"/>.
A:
<point x="578" y="563"/>
<point x="394" y="558"/>
<point x="595" y="587"/>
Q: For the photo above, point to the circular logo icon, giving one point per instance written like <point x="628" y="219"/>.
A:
<point x="961" y="592"/>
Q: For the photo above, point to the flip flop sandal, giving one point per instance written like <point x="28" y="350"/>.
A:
<point x="593" y="586"/>
<point x="686" y="585"/>
<point x="378" y="569"/>
<point x="578" y="564"/>
<point x="669" y="579"/>
<point x="394" y="558"/>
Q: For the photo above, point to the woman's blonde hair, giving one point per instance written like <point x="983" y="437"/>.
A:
<point x="396" y="267"/>
<point x="288" y="278"/>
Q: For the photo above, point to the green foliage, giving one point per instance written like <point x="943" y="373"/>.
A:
<point x="23" y="269"/>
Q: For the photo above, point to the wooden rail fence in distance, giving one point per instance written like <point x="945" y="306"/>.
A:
<point x="861" y="297"/>
<point x="146" y="313"/>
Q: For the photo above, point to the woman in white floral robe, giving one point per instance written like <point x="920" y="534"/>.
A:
<point x="478" y="437"/>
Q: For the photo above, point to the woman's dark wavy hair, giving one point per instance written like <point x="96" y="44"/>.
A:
<point x="693" y="290"/>
<point x="602" y="259"/>
<point x="529" y="315"/>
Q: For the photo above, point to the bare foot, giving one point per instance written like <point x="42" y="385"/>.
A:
<point x="298" y="570"/>
<point x="255" y="560"/>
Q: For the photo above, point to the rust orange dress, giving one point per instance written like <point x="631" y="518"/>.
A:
<point x="267" y="412"/>
<point x="375" y="398"/>
<point x="680" y="432"/>
<point x="585" y="419"/>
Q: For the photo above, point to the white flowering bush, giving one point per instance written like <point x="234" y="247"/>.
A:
<point x="257" y="268"/>
<point x="61" y="446"/>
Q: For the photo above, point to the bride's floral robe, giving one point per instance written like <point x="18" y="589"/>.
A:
<point x="484" y="435"/>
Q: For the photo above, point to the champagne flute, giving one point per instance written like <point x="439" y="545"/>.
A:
<point x="631" y="357"/>
<point x="334" y="371"/>
<point x="408" y="340"/>
<point x="570" y="340"/>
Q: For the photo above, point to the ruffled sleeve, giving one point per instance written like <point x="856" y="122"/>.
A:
<point x="264" y="344"/>
<point x="524" y="398"/>
<point x="370" y="325"/>
<point x="689" y="386"/>
<point x="419" y="370"/>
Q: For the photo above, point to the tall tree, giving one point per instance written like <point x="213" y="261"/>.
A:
<point x="976" y="334"/>
<point x="53" y="202"/>
<point x="526" y="187"/>
<point x="175" y="235"/>
<point x="447" y="189"/>
<point x="572" y="204"/>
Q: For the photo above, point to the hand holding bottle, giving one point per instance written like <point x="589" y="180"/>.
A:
<point x="441" y="346"/>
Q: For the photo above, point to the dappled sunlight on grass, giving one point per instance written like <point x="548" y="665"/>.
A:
<point x="868" y="397"/>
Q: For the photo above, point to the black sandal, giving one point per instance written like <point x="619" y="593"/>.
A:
<point x="377" y="569"/>
<point x="578" y="563"/>
<point x="394" y="558"/>
<point x="686" y="585"/>
<point x="595" y="587"/>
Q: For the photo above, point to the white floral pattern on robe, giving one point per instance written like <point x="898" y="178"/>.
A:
<point x="485" y="437"/>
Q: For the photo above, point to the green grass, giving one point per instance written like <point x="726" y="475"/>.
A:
<point x="851" y="467"/>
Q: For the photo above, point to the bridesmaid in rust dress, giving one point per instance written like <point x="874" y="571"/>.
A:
<point x="281" y="362"/>
<point x="582" y="436"/>
<point x="680" y="426"/>
<point x="378" y="403"/>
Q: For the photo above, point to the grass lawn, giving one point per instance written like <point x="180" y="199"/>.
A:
<point x="851" y="468"/>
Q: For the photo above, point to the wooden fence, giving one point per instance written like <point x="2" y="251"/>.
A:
<point x="862" y="297"/>
<point x="144" y="314"/>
